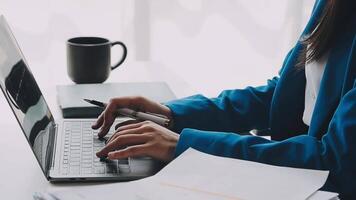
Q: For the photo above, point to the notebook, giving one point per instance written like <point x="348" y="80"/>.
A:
<point x="70" y="97"/>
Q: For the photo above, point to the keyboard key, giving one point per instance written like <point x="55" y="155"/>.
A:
<point x="74" y="155"/>
<point x="75" y="148"/>
<point x="65" y="170"/>
<point x="99" y="170"/>
<point x="99" y="164"/>
<point x="98" y="145"/>
<point x="111" y="170"/>
<point x="75" y="141"/>
<point x="74" y="170"/>
<point x="74" y="163"/>
<point x="87" y="150"/>
<point x="80" y="145"/>
<point x="124" y="168"/>
<point x="123" y="161"/>
<point x="86" y="162"/>
<point x="75" y="152"/>
<point x="87" y="165"/>
<point x="87" y="145"/>
<point x="87" y="171"/>
<point x="87" y="154"/>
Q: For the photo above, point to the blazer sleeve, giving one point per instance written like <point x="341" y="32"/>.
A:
<point x="233" y="110"/>
<point x="336" y="151"/>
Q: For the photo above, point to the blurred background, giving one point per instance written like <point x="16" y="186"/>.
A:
<point x="210" y="45"/>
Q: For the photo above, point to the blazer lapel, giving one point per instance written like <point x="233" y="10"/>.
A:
<point x="288" y="99"/>
<point x="334" y="78"/>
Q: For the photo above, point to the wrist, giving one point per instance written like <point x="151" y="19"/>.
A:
<point x="173" y="146"/>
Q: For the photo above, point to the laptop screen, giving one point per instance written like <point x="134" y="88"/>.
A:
<point x="25" y="98"/>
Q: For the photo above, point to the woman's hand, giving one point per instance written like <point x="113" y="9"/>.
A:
<point x="141" y="139"/>
<point x="133" y="138"/>
<point x="138" y="103"/>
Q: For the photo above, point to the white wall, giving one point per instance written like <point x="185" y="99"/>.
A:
<point x="209" y="44"/>
<point x="42" y="28"/>
<point x="215" y="45"/>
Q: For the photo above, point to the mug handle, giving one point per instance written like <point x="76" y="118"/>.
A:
<point x="124" y="54"/>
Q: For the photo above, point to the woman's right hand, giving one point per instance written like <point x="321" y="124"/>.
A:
<point x="137" y="103"/>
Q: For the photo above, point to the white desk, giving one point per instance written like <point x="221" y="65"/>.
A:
<point x="20" y="173"/>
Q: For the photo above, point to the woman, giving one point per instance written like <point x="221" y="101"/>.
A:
<point x="306" y="132"/>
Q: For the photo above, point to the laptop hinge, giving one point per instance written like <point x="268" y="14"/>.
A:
<point x="51" y="148"/>
<point x="55" y="129"/>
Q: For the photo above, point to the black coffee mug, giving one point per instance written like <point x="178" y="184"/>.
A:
<point x="89" y="59"/>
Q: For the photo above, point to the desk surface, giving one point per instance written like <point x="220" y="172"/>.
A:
<point x="20" y="173"/>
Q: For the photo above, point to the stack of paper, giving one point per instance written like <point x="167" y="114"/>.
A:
<point x="195" y="175"/>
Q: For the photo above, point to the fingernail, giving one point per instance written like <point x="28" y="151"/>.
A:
<point x="104" y="159"/>
<point x="101" y="131"/>
<point x="100" y="134"/>
<point x="99" y="153"/>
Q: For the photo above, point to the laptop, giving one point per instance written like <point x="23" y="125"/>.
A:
<point x="65" y="150"/>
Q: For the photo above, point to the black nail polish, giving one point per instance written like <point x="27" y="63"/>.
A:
<point x="104" y="159"/>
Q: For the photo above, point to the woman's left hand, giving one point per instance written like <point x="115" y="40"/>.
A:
<point x="141" y="139"/>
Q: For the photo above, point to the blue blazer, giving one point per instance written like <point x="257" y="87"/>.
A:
<point x="210" y="125"/>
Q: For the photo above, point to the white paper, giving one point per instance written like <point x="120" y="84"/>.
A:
<point x="196" y="175"/>
<point x="227" y="178"/>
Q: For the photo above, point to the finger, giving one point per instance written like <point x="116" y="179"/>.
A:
<point x="98" y="122"/>
<point x="133" y="102"/>
<point x="127" y="122"/>
<point x="122" y="141"/>
<point x="140" y="103"/>
<point x="105" y="127"/>
<point x="131" y="126"/>
<point x="108" y="119"/>
<point x="109" y="113"/>
<point x="131" y="151"/>
<point x="137" y="129"/>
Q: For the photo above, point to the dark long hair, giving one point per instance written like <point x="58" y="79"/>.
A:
<point x="316" y="44"/>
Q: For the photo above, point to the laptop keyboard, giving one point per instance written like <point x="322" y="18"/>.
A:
<point x="80" y="145"/>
